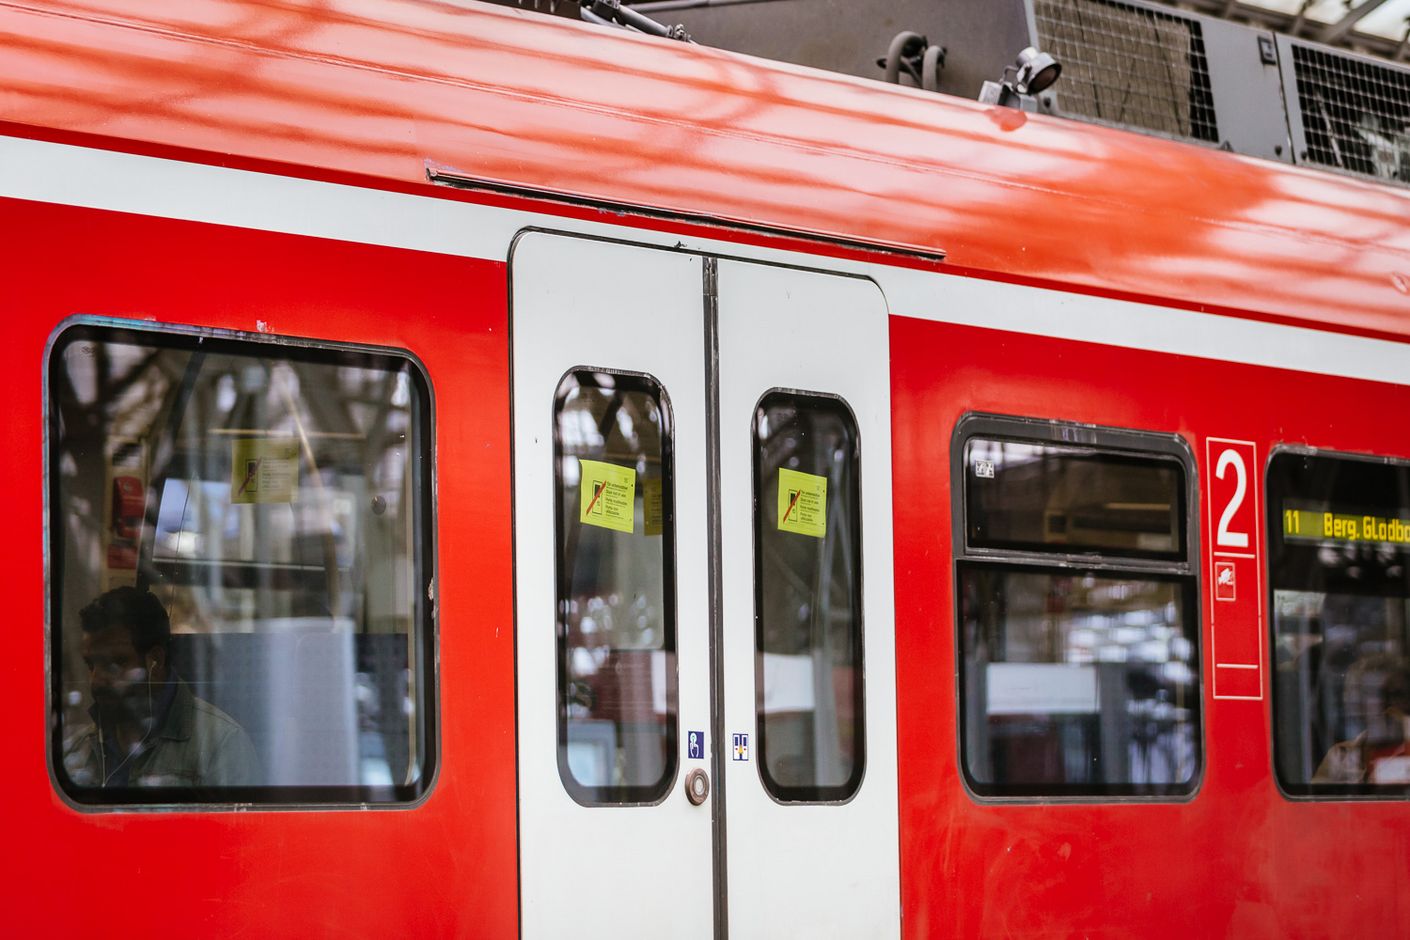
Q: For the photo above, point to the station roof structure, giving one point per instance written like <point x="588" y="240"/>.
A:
<point x="1377" y="27"/>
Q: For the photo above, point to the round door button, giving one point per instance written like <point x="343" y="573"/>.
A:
<point x="697" y="786"/>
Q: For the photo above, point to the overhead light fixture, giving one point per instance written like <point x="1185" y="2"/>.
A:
<point x="1036" y="71"/>
<point x="1032" y="73"/>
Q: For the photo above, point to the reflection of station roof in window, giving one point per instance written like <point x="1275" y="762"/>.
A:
<point x="1055" y="495"/>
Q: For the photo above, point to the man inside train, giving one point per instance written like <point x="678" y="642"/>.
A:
<point x="1381" y="753"/>
<point x="149" y="729"/>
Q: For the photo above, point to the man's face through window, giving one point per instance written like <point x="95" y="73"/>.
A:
<point x="116" y="671"/>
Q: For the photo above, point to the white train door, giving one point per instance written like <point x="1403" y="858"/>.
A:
<point x="706" y="702"/>
<point x="809" y="644"/>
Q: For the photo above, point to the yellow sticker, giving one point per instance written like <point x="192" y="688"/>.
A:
<point x="802" y="503"/>
<point x="264" y="470"/>
<point x="607" y="497"/>
<point x="651" y="506"/>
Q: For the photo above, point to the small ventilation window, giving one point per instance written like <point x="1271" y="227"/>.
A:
<point x="1355" y="114"/>
<point x="1129" y="66"/>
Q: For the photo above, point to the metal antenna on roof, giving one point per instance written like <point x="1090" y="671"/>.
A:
<point x="613" y="13"/>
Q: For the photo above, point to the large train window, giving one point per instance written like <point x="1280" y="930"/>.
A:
<point x="615" y="506"/>
<point x="241" y="570"/>
<point x="1078" y="619"/>
<point x="808" y="597"/>
<point x="1339" y="537"/>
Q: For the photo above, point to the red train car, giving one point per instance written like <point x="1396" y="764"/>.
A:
<point x="504" y="475"/>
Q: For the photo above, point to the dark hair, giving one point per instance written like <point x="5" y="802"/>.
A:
<point x="139" y="612"/>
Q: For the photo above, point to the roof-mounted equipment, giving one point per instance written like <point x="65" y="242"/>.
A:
<point x="1032" y="73"/>
<point x="913" y="55"/>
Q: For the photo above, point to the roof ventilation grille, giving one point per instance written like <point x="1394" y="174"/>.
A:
<point x="1355" y="113"/>
<point x="1129" y="66"/>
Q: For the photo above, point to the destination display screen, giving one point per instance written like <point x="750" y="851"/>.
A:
<point x="1340" y="524"/>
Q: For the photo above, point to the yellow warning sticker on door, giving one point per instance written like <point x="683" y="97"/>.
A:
<point x="264" y="470"/>
<point x="802" y="503"/>
<point x="608" y="495"/>
<point x="651" y="517"/>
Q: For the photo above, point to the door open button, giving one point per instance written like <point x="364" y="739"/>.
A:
<point x="697" y="786"/>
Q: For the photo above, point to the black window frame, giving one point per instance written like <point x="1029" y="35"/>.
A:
<point x="1119" y="442"/>
<point x="422" y="468"/>
<point x="848" y="789"/>
<point x="619" y="796"/>
<point x="1309" y="792"/>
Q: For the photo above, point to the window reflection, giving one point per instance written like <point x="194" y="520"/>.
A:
<point x="1078" y="677"/>
<point x="1341" y="616"/>
<point x="1077" y="681"/>
<point x="1024" y="495"/>
<point x="808" y="614"/>
<point x="260" y="510"/>
<point x="616" y="596"/>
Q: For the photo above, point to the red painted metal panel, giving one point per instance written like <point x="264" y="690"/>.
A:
<point x="1238" y="859"/>
<point x="447" y="866"/>
<point x="378" y="89"/>
<point x="322" y="91"/>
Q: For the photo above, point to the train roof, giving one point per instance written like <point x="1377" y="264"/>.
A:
<point x="377" y="91"/>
